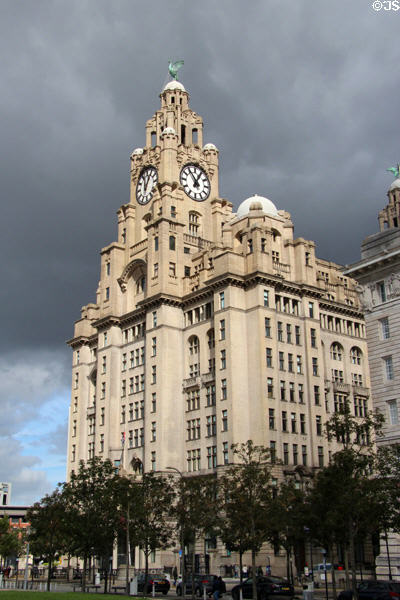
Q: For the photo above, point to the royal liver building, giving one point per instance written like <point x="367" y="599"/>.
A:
<point x="210" y="327"/>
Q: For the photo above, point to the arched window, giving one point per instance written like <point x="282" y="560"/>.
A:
<point x="355" y="355"/>
<point x="194" y="345"/>
<point x="171" y="242"/>
<point x="336" y="351"/>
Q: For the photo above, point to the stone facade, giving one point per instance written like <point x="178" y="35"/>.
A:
<point x="210" y="327"/>
<point x="378" y="274"/>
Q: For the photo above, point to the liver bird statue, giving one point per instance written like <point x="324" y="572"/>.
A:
<point x="395" y="170"/>
<point x="174" y="67"/>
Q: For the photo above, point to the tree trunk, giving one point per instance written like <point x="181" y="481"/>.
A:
<point x="330" y="550"/>
<point x="146" y="569"/>
<point x="241" y="565"/>
<point x="288" y="564"/>
<point x="346" y="566"/>
<point x="193" y="563"/>
<point x="83" y="580"/>
<point x="49" y="573"/>
<point x="353" y="562"/>
<point x="253" y="573"/>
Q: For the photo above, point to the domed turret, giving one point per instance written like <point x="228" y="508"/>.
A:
<point x="395" y="185"/>
<point x="256" y="203"/>
<point x="174" y="85"/>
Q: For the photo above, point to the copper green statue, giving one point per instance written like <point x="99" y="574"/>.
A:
<point x="395" y="170"/>
<point x="174" y="67"/>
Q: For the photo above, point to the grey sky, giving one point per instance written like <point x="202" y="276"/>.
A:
<point x="301" y="99"/>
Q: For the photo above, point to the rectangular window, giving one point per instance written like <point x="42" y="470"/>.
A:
<point x="301" y="393"/>
<point x="266" y="298"/>
<point x="313" y="338"/>
<point x="211" y="425"/>
<point x="156" y="243"/>
<point x="104" y="365"/>
<point x="272" y="451"/>
<point x="123" y="387"/>
<point x="280" y="331"/>
<point x="299" y="364"/>
<point x="311" y="310"/>
<point x="393" y="412"/>
<point x="267" y="327"/>
<point x="154" y="318"/>
<point x="302" y="423"/>
<point x="388" y="362"/>
<point x="284" y="420"/>
<point x="318" y="422"/>
<point x="211" y="457"/>
<point x="153" y="403"/>
<point x="291" y="392"/>
<point x="76" y="383"/>
<point x="225" y="457"/>
<point x="270" y="387"/>
<point x="297" y="334"/>
<point x="210" y="395"/>
<point x="123" y="413"/>
<point x="223" y="359"/>
<point x="224" y="420"/>
<point x="290" y="363"/>
<point x="271" y="418"/>
<point x="285" y="454"/>
<point x="153" y="431"/>
<point x="172" y="269"/>
<point x="268" y="355"/>
<point x="283" y="390"/>
<point x="289" y="333"/>
<point x="107" y="293"/>
<point x="281" y="361"/>
<point x="320" y="456"/>
<point x="154" y="374"/>
<point x="385" y="331"/>
<point x="315" y="367"/>
<point x="155" y="270"/>
<point x="293" y="421"/>
<point x="153" y="346"/>
<point x="103" y="390"/>
<point x="381" y="290"/>
<point x="153" y="465"/>
<point x="222" y="329"/>
<point x="295" y="454"/>
<point x="222" y="299"/>
<point x="102" y="416"/>
<point x="304" y="455"/>
<point x="317" y="396"/>
<point x="224" y="393"/>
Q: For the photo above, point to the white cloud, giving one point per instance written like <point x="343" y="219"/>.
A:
<point x="34" y="396"/>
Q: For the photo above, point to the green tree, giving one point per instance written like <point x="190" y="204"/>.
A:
<point x="92" y="510"/>
<point x="11" y="540"/>
<point x="48" y="533"/>
<point x="247" y="496"/>
<point x="344" y="497"/>
<point x="146" y="502"/>
<point x="195" y="513"/>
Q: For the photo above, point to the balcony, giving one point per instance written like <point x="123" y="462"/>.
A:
<point x="191" y="382"/>
<point x="208" y="377"/>
<point x="343" y="388"/>
<point x="359" y="390"/>
<point x="280" y="267"/>
<point x="91" y="411"/>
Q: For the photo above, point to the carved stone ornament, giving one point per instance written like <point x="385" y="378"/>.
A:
<point x="364" y="297"/>
<point x="128" y="272"/>
<point x="394" y="284"/>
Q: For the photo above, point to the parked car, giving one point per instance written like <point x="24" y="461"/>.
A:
<point x="200" y="581"/>
<point x="374" y="590"/>
<point x="267" y="587"/>
<point x="161" y="583"/>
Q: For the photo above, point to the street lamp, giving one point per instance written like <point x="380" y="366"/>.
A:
<point x="182" y="540"/>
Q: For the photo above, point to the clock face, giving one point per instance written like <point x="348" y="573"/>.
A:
<point x="146" y="184"/>
<point x="195" y="182"/>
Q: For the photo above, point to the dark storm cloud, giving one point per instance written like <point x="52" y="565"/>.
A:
<point x="300" y="97"/>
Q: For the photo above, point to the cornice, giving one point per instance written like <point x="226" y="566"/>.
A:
<point x="105" y="322"/>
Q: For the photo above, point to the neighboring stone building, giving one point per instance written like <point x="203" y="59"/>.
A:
<point x="210" y="327"/>
<point x="378" y="273"/>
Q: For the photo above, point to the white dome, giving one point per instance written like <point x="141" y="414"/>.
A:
<point x="174" y="85"/>
<point x="265" y="205"/>
<point x="210" y="147"/>
<point x="137" y="151"/>
<point x="395" y="185"/>
<point x="169" y="130"/>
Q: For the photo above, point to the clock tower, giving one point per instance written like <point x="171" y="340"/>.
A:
<point x="209" y="328"/>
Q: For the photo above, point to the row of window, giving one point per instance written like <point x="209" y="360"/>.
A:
<point x="136" y="358"/>
<point x="294" y="365"/>
<point x="295" y="457"/>
<point x="193" y="396"/>
<point x="193" y="457"/>
<point x="353" y="328"/>
<point x="193" y="429"/>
